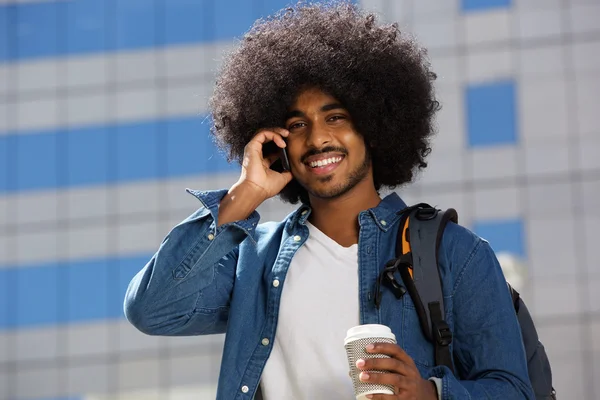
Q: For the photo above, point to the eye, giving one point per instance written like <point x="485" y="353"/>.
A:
<point x="337" y="117"/>
<point x="296" y="125"/>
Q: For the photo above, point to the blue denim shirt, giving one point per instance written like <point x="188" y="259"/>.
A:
<point x="206" y="280"/>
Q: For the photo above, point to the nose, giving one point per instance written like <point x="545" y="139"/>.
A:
<point x="319" y="136"/>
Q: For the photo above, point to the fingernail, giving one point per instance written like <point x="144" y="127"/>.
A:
<point x="370" y="347"/>
<point x="360" y="363"/>
<point x="364" y="376"/>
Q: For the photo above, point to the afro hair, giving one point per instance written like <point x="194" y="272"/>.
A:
<point x="381" y="75"/>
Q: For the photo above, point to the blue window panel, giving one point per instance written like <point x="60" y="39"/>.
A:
<point x="192" y="21"/>
<point x="87" y="290"/>
<point x="109" y="154"/>
<point x="87" y="156"/>
<point x="503" y="235"/>
<point x="77" y="291"/>
<point x="137" y="151"/>
<point x="86" y="30"/>
<point x="491" y="114"/>
<point x="190" y="149"/>
<point x="186" y="21"/>
<point x="37" y="299"/>
<point x="478" y="5"/>
<point x="6" y="34"/>
<point x="135" y="24"/>
<point x="233" y="18"/>
<point x="7" y="285"/>
<point x="97" y="26"/>
<point x="5" y="164"/>
<point x="35" y="29"/>
<point x="36" y="160"/>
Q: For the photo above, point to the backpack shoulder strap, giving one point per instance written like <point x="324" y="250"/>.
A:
<point x="421" y="231"/>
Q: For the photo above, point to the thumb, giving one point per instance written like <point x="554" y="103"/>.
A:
<point x="287" y="176"/>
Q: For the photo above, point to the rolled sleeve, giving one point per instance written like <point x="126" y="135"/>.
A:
<point x="211" y="201"/>
<point x="185" y="288"/>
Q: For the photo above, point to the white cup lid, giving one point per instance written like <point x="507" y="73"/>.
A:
<point x="369" y="330"/>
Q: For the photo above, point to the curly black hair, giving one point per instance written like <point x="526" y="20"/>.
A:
<point x="380" y="75"/>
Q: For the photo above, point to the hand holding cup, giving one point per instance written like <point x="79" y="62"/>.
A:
<point x="381" y="370"/>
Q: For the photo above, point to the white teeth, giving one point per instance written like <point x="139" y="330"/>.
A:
<point x="327" y="161"/>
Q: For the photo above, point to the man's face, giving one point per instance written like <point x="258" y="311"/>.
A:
<point x="328" y="157"/>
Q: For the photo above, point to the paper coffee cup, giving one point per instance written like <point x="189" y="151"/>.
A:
<point x="356" y="340"/>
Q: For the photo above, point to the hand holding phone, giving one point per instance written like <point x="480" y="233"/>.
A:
<point x="282" y="162"/>
<point x="265" y="172"/>
<point x="263" y="165"/>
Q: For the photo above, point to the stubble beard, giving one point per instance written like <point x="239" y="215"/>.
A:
<point x="355" y="177"/>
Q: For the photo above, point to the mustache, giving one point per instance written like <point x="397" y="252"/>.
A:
<point x="327" y="149"/>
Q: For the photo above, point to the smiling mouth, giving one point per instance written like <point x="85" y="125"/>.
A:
<point x="324" y="166"/>
<point x="325" y="162"/>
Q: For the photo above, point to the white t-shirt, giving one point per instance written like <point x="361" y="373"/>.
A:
<point x="319" y="303"/>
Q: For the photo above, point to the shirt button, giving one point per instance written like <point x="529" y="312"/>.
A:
<point x="276" y="283"/>
<point x="211" y="236"/>
<point x="383" y="222"/>
<point x="265" y="342"/>
<point x="245" y="389"/>
<point x="297" y="238"/>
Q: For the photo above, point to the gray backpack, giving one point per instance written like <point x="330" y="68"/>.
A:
<point x="419" y="237"/>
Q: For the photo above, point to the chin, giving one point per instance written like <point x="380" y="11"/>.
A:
<point x="335" y="185"/>
<point x="331" y="191"/>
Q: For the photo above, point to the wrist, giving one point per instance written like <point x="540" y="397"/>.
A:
<point x="248" y="190"/>
<point x="239" y="202"/>
<point x="430" y="390"/>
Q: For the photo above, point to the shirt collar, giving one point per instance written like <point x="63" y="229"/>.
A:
<point x="384" y="214"/>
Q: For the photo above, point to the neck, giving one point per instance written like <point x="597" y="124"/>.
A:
<point x="338" y="217"/>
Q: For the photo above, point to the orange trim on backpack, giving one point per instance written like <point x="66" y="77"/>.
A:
<point x="406" y="243"/>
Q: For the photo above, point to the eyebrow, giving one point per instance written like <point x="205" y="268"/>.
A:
<point x="325" y="108"/>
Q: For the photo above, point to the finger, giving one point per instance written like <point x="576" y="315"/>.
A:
<point x="390" y="349"/>
<point x="287" y="175"/>
<point x="282" y="131"/>
<point x="382" y="396"/>
<point x="264" y="136"/>
<point x="386" y="378"/>
<point x="385" y="364"/>
<point x="280" y="142"/>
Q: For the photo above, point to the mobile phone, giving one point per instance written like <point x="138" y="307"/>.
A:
<point x="282" y="162"/>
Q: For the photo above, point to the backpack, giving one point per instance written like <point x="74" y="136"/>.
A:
<point x="420" y="233"/>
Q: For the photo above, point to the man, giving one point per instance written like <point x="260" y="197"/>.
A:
<point x="352" y="104"/>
